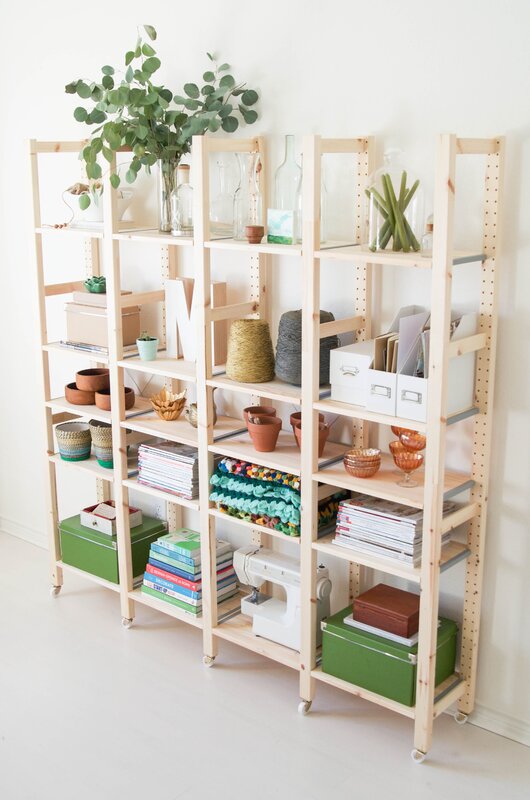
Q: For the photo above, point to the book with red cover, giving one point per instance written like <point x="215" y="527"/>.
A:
<point x="194" y="586"/>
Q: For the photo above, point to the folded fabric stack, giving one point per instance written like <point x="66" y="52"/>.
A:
<point x="265" y="497"/>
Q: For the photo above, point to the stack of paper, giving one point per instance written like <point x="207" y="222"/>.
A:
<point x="382" y="527"/>
<point x="170" y="467"/>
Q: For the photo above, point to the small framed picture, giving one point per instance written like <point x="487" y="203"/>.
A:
<point x="280" y="226"/>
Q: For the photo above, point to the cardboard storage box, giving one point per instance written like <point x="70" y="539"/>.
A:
<point x="379" y="665"/>
<point x="348" y="373"/>
<point x="88" y="324"/>
<point x="388" y="608"/>
<point x="97" y="553"/>
<point x="106" y="522"/>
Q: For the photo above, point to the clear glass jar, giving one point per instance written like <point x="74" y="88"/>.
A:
<point x="247" y="199"/>
<point x="426" y="241"/>
<point x="182" y="204"/>
<point x="395" y="207"/>
<point x="223" y="190"/>
<point x="288" y="186"/>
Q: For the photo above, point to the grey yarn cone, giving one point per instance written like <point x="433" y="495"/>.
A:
<point x="289" y="348"/>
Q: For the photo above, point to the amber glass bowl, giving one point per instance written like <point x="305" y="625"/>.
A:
<point x="413" y="441"/>
<point x="398" y="431"/>
<point x="408" y="462"/>
<point x="363" y="455"/>
<point x="397" y="447"/>
<point x="362" y="472"/>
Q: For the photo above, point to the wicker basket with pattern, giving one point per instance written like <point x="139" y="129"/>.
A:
<point x="74" y="441"/>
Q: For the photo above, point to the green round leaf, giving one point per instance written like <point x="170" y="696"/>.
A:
<point x="114" y="181"/>
<point x="224" y="67"/>
<point x="80" y="114"/>
<point x="107" y="154"/>
<point x="107" y="82"/>
<point x="150" y="31"/>
<point x="129" y="74"/>
<point x="209" y="77"/>
<point x="249" y="116"/>
<point x="97" y="117"/>
<point x="226" y="82"/>
<point x="107" y="70"/>
<point x="192" y="90"/>
<point x="96" y="144"/>
<point x="166" y="94"/>
<point x="147" y="50"/>
<point x="193" y="105"/>
<point x="207" y="89"/>
<point x="250" y="97"/>
<point x="179" y="100"/>
<point x="130" y="176"/>
<point x="150" y="98"/>
<point x="142" y="131"/>
<point x="230" y="124"/>
<point x="214" y="125"/>
<point x="84" y="201"/>
<point x="96" y="170"/>
<point x="83" y="90"/>
<point x="151" y="65"/>
<point x="70" y="88"/>
<point x="210" y="56"/>
<point x="225" y="110"/>
<point x="129" y="55"/>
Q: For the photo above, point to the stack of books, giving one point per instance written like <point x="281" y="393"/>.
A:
<point x="173" y="572"/>
<point x="170" y="467"/>
<point x="383" y="528"/>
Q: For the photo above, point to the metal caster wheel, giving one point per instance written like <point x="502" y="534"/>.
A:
<point x="126" y="622"/>
<point x="303" y="707"/>
<point x="417" y="756"/>
<point x="460" y="718"/>
<point x="54" y="591"/>
<point x="208" y="661"/>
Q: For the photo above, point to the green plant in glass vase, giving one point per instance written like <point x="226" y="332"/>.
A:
<point x="131" y="110"/>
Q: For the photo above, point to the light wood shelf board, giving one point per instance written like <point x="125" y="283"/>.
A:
<point x="133" y="484"/>
<point x="384" y="483"/>
<point x="252" y="528"/>
<point x="176" y="368"/>
<point x="114" y="587"/>
<point x="153" y="236"/>
<point x="238" y="630"/>
<point x="165" y="608"/>
<point x="364" y="694"/>
<point x="179" y="430"/>
<point x="72" y="230"/>
<point x="447" y="693"/>
<point x="89" y="465"/>
<point x="359" y="254"/>
<point x="359" y="412"/>
<point x="273" y="390"/>
<point x="57" y="347"/>
<point x="141" y="405"/>
<point x="245" y="247"/>
<point x="285" y="457"/>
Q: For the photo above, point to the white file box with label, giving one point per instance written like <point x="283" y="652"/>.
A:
<point x="412" y="392"/>
<point x="349" y="372"/>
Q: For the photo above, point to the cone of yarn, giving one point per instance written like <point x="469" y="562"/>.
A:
<point x="250" y="357"/>
<point x="289" y="348"/>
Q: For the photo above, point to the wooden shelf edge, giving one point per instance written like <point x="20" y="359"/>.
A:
<point x="134" y="485"/>
<point x="364" y="694"/>
<point x="114" y="587"/>
<point x="238" y="630"/>
<point x="254" y="528"/>
<point x="165" y="608"/>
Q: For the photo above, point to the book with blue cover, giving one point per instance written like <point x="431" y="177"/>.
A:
<point x="187" y="544"/>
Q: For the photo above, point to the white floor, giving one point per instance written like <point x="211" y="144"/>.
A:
<point x="90" y="710"/>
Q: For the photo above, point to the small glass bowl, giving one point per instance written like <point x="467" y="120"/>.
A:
<point x="408" y="462"/>
<point x="367" y="471"/>
<point x="398" y="431"/>
<point x="363" y="455"/>
<point x="397" y="447"/>
<point x="413" y="441"/>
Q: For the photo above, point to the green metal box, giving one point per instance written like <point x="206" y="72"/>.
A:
<point x="97" y="553"/>
<point x="378" y="664"/>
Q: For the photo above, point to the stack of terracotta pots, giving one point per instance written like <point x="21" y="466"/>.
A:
<point x="263" y="426"/>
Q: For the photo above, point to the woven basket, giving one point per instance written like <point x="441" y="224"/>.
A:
<point x="74" y="441"/>
<point x="101" y="433"/>
<point x="250" y="357"/>
<point x="289" y="348"/>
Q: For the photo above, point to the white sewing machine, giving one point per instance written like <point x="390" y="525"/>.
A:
<point x="278" y="620"/>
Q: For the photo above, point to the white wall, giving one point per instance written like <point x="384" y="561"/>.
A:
<point x="403" y="71"/>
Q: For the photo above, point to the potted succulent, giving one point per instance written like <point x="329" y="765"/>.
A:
<point x="131" y="109"/>
<point x="85" y="203"/>
<point x="147" y="346"/>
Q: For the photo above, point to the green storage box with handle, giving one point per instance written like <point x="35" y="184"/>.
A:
<point x="97" y="553"/>
<point x="378" y="664"/>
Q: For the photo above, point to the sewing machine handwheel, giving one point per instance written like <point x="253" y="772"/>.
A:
<point x="304" y="706"/>
<point x="208" y="661"/>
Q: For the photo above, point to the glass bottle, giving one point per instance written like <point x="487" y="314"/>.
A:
<point x="222" y="204"/>
<point x="426" y="242"/>
<point x="247" y="199"/>
<point x="395" y="207"/>
<point x="323" y="208"/>
<point x="288" y="186"/>
<point x="182" y="204"/>
<point x="167" y="183"/>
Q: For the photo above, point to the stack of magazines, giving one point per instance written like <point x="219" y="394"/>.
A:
<point x="383" y="528"/>
<point x="170" y="467"/>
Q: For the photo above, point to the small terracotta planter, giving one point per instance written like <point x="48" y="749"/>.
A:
<point x="264" y="434"/>
<point x="92" y="380"/>
<point x="323" y="433"/>
<point x="103" y="399"/>
<point x="258" y="411"/>
<point x="254" y="233"/>
<point x="78" y="397"/>
<point x="296" y="418"/>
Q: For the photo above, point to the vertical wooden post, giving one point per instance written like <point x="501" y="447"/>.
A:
<point x="52" y="517"/>
<point x="202" y="301"/>
<point x="482" y="426"/>
<point x="436" y="426"/>
<point x="310" y="390"/>
<point x="111" y="260"/>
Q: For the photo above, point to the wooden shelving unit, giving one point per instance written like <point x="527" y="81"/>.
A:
<point x="318" y="476"/>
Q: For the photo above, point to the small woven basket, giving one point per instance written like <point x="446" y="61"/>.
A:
<point x="74" y="441"/>
<point x="101" y="433"/>
<point x="250" y="357"/>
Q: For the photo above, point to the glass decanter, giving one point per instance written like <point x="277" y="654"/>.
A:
<point x="247" y="199"/>
<point x="222" y="203"/>
<point x="182" y="204"/>
<point x="288" y="186"/>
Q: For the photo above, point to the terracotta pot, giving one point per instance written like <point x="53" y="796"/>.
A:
<point x="92" y="380"/>
<point x="264" y="434"/>
<point x="254" y="233"/>
<point x="258" y="411"/>
<point x="296" y="418"/>
<point x="103" y="399"/>
<point x="323" y="433"/>
<point x="77" y="396"/>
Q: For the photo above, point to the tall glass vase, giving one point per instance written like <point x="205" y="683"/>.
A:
<point x="247" y="199"/>
<point x="167" y="183"/>
<point x="222" y="203"/>
<point x="288" y="186"/>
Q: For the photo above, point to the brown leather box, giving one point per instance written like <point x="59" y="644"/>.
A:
<point x="390" y="609"/>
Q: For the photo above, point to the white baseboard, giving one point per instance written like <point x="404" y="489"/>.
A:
<point x="502" y="724"/>
<point x="23" y="532"/>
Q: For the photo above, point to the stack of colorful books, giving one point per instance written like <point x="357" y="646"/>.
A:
<point x="170" y="467"/>
<point x="173" y="572"/>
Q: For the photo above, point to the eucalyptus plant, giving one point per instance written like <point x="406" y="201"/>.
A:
<point x="130" y="109"/>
